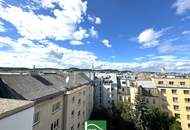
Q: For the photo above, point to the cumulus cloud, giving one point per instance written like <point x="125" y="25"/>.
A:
<point x="106" y="43"/>
<point x="149" y="38"/>
<point x="182" y="6"/>
<point x="93" y="19"/>
<point x="93" y="32"/>
<point x="46" y="54"/>
<point x="61" y="26"/>
<point x="2" y="28"/>
<point x="75" y="42"/>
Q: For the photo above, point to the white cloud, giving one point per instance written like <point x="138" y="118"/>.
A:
<point x="149" y="38"/>
<point x="113" y="57"/>
<point x="95" y="20"/>
<point x="80" y="34"/>
<point x="43" y="55"/>
<point x="93" y="32"/>
<point x="186" y="32"/>
<point x="75" y="42"/>
<point x="106" y="43"/>
<point x="48" y="54"/>
<point x="98" y="20"/>
<point x="2" y="28"/>
<point x="182" y="6"/>
<point x="38" y="27"/>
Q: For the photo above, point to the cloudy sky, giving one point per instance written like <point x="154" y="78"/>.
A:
<point x="111" y="34"/>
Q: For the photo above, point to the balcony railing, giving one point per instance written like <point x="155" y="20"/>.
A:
<point x="173" y="86"/>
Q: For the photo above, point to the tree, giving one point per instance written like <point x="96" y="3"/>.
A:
<point x="123" y="116"/>
<point x="140" y="108"/>
<point x="158" y="120"/>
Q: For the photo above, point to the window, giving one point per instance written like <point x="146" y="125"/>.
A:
<point x="120" y="98"/>
<point x="171" y="83"/>
<point x="83" y="113"/>
<point x="147" y="100"/>
<point x="123" y="82"/>
<point x="160" y="82"/>
<point x="188" y="117"/>
<point x="163" y="91"/>
<point x="72" y="127"/>
<point x="56" y="107"/>
<point x="72" y="113"/>
<point x="73" y="99"/>
<point x="55" y="125"/>
<point x="153" y="101"/>
<point x="186" y="91"/>
<point x="188" y="125"/>
<point x="182" y="83"/>
<point x="78" y="126"/>
<point x="84" y="92"/>
<point x="175" y="99"/>
<point x="177" y="115"/>
<point x="36" y="117"/>
<point x="187" y="100"/>
<point x="78" y="113"/>
<point x="187" y="108"/>
<point x="176" y="107"/>
<point x="79" y="101"/>
<point x="112" y="89"/>
<point x="123" y="89"/>
<point x="174" y="91"/>
<point x="83" y="102"/>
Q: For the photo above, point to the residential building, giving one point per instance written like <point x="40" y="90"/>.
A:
<point x="107" y="89"/>
<point x="49" y="91"/>
<point x="16" y="114"/>
<point x="175" y="98"/>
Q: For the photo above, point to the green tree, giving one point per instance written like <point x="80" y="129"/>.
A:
<point x="140" y="110"/>
<point x="158" y="120"/>
<point x="123" y="116"/>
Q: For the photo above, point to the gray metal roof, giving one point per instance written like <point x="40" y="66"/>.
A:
<point x="32" y="87"/>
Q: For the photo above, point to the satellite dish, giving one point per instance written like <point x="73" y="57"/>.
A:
<point x="67" y="79"/>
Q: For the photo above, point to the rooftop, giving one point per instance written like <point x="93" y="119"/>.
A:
<point x="37" y="87"/>
<point x="11" y="106"/>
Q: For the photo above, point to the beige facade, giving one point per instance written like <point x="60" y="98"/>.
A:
<point x="78" y="105"/>
<point x="48" y="114"/>
<point x="175" y="98"/>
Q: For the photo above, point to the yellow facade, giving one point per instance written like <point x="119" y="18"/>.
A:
<point x="175" y="98"/>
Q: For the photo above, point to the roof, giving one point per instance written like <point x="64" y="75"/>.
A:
<point x="146" y="83"/>
<point x="11" y="106"/>
<point x="32" y="87"/>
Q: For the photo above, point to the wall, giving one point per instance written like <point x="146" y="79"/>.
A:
<point x="46" y="115"/>
<point x="71" y="103"/>
<point x="21" y="121"/>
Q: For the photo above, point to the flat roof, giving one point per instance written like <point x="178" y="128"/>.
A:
<point x="11" y="106"/>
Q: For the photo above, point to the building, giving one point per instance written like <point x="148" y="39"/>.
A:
<point x="149" y="91"/>
<point x="16" y="114"/>
<point x="175" y="98"/>
<point x="106" y="88"/>
<point x="51" y="94"/>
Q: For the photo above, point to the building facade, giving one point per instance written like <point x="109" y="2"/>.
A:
<point x="16" y="114"/>
<point x="175" y="98"/>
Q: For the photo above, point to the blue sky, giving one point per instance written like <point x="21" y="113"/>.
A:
<point x="135" y="35"/>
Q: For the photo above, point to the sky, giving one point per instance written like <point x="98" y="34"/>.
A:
<point x="145" y="35"/>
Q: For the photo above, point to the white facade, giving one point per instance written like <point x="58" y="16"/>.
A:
<point x="106" y="89"/>
<point x="19" y="121"/>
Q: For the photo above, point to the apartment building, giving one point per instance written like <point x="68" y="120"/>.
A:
<point x="175" y="98"/>
<point x="149" y="91"/>
<point x="78" y="107"/>
<point x="16" y="114"/>
<point x="49" y="91"/>
<point x="107" y="89"/>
